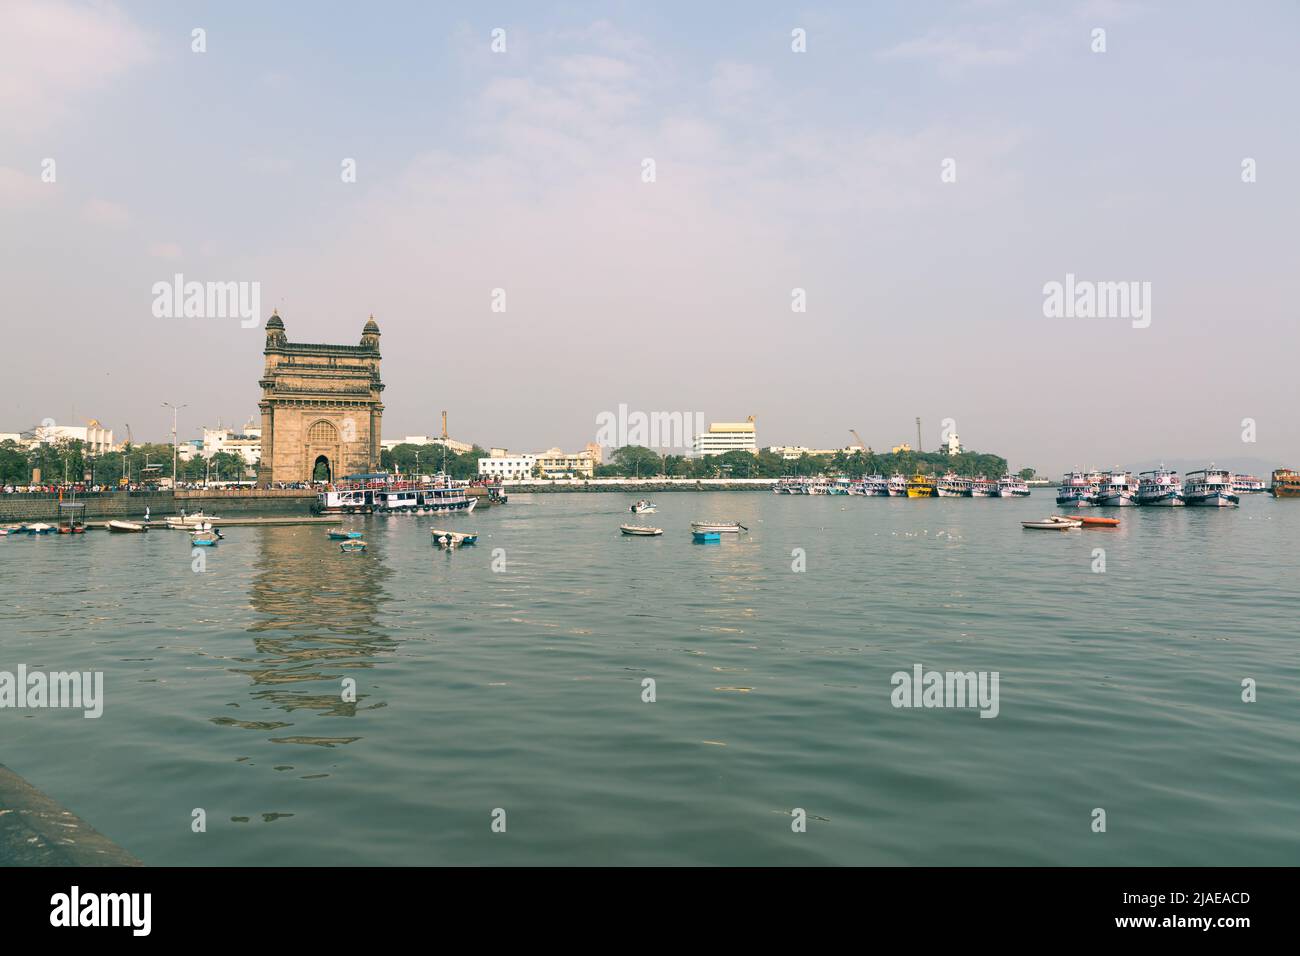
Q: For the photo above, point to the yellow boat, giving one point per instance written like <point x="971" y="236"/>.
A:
<point x="1286" y="483"/>
<point x="921" y="486"/>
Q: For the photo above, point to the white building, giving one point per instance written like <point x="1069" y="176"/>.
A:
<point x="453" y="446"/>
<point x="790" y="452"/>
<point x="723" y="437"/>
<point x="554" y="463"/>
<point x="954" y="444"/>
<point x="507" y="465"/>
<point x="246" y="443"/>
<point x="96" y="439"/>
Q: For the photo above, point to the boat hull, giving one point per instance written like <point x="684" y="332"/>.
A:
<point x="1117" y="499"/>
<point x="1216" y="499"/>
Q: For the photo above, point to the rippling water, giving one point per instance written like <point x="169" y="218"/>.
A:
<point x="521" y="688"/>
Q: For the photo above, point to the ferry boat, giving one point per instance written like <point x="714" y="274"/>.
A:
<point x="840" y="486"/>
<point x="877" y="486"/>
<point x="1210" y="488"/>
<point x="921" y="486"/>
<point x="1077" y="490"/>
<point x="394" y="498"/>
<point x="1286" y="483"/>
<point x="1248" y="484"/>
<point x="817" y="486"/>
<point x="1161" y="488"/>
<point x="1010" y="486"/>
<point x="953" y="486"/>
<point x="983" y="488"/>
<point x="897" y="486"/>
<point x="1118" y="489"/>
<point x="789" y="485"/>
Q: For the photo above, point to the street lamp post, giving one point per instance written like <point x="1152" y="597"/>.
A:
<point x="175" y="412"/>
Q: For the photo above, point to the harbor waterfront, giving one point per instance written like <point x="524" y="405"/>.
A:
<point x="510" y="675"/>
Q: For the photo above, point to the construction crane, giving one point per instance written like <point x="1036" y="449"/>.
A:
<point x="861" y="443"/>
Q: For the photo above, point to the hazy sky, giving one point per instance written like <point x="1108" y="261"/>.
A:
<point x="775" y="170"/>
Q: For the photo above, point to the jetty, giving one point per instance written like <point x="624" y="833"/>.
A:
<point x="36" y="831"/>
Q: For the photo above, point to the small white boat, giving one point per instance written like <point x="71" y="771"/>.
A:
<point x="1078" y="522"/>
<point x="197" y="521"/>
<point x="38" y="528"/>
<point x="723" y="527"/>
<point x="640" y="529"/>
<point x="126" y="527"/>
<point x="643" y="507"/>
<point x="1049" y="525"/>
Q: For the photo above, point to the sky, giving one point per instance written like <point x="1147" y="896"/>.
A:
<point x="920" y="171"/>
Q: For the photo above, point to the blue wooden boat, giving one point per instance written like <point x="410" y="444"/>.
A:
<point x="204" y="539"/>
<point x="704" y="536"/>
<point x="352" y="547"/>
<point x="344" y="535"/>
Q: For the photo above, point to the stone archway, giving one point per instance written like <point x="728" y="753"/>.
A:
<point x="321" y="469"/>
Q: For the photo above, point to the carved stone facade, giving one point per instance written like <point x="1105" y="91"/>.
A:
<point x="321" y="407"/>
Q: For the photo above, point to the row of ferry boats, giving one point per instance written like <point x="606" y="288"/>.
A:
<point x="900" y="486"/>
<point x="1159" y="488"/>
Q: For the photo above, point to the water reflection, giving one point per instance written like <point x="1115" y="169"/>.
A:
<point x="316" y="619"/>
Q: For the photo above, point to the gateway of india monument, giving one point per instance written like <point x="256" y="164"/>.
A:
<point x="321" y="407"/>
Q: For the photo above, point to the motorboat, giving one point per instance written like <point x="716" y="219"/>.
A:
<point x="642" y="507"/>
<point x="344" y="535"/>
<point x="705" y="536"/>
<point x="640" y="530"/>
<point x="126" y="527"/>
<point x="205" y="539"/>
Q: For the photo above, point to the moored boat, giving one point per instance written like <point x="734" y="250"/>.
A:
<point x="1286" y="483"/>
<point x="704" y="536"/>
<point x="953" y="486"/>
<point x="1118" y="489"/>
<point x="724" y="527"/>
<point x="352" y="547"/>
<point x="921" y="486"/>
<point x="1077" y="490"/>
<point x="1210" y="488"/>
<point x="1011" y="486"/>
<point x="1088" y="521"/>
<point x="877" y="486"/>
<point x="344" y="535"/>
<point x="195" y="521"/>
<point x="897" y="486"/>
<point x="38" y="528"/>
<point x="1248" y="484"/>
<point x="126" y="527"/>
<point x="983" y="488"/>
<point x="205" y="539"/>
<point x="643" y="507"/>
<point x="1049" y="525"/>
<point x="1160" y="488"/>
<point x="443" y="538"/>
<point x="640" y="530"/>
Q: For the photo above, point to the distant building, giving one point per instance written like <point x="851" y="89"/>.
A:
<point x="954" y="444"/>
<point x="899" y="449"/>
<point x="96" y="439"/>
<point x="554" y="463"/>
<point x="246" y="443"/>
<point x="789" y="452"/>
<point x="723" y="437"/>
<point x="505" y="465"/>
<point x="453" y="446"/>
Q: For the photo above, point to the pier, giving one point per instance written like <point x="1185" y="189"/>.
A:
<point x="36" y="831"/>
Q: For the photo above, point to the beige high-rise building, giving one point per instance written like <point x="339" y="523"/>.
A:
<point x="321" y="407"/>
